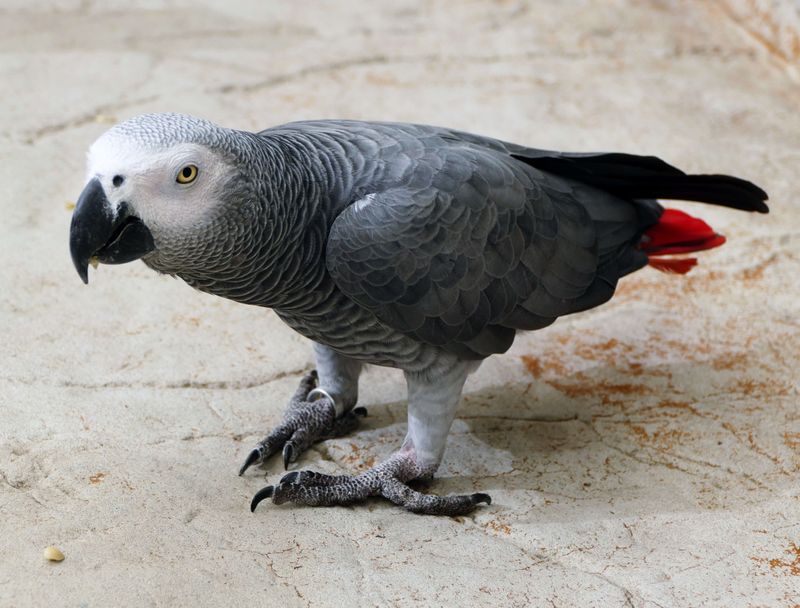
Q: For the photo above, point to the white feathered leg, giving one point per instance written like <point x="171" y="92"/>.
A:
<point x="338" y="378"/>
<point x="432" y="403"/>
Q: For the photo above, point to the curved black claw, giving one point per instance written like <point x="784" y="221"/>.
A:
<point x="288" y="452"/>
<point x="262" y="494"/>
<point x="290" y="477"/>
<point x="481" y="497"/>
<point x="252" y="458"/>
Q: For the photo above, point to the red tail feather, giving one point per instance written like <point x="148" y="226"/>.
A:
<point x="677" y="232"/>
<point x="676" y="266"/>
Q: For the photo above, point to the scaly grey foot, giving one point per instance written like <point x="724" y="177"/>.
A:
<point x="387" y="479"/>
<point x="305" y="422"/>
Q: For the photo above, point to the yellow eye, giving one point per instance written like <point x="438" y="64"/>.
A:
<point x="187" y="175"/>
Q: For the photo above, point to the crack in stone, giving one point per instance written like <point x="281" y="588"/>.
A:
<point x="270" y="562"/>
<point x="750" y="443"/>
<point x="671" y="465"/>
<point x="85" y="118"/>
<point x="540" y="558"/>
<point x="759" y="40"/>
<point x="336" y="66"/>
<point x="20" y="486"/>
<point x="299" y="74"/>
<point x="237" y="437"/>
<point x="185" y="384"/>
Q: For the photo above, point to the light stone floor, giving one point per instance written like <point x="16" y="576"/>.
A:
<point x="644" y="454"/>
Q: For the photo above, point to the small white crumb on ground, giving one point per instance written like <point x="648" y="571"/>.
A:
<point x="53" y="554"/>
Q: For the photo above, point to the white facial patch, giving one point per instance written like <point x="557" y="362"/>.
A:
<point x="147" y="180"/>
<point x="111" y="155"/>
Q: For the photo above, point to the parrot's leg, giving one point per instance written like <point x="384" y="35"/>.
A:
<point x="338" y="377"/>
<point x="315" y="413"/>
<point x="432" y="403"/>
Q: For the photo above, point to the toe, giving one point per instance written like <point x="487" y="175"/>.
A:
<point x="429" y="504"/>
<point x="344" y="492"/>
<point x="307" y="384"/>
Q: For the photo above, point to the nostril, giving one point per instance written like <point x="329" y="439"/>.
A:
<point x="117" y="181"/>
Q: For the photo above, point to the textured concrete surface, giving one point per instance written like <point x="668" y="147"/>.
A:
<point x="644" y="454"/>
<point x="773" y="24"/>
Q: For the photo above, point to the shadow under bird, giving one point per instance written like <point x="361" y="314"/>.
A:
<point x="409" y="246"/>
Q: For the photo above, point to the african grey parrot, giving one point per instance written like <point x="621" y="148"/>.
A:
<point x="415" y="247"/>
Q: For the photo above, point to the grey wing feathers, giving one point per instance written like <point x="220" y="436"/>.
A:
<point x="463" y="255"/>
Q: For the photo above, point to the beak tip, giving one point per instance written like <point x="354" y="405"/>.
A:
<point x="82" y="268"/>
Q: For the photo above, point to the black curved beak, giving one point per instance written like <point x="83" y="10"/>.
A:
<point x="97" y="231"/>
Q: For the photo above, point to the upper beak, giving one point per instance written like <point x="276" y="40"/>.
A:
<point x="97" y="231"/>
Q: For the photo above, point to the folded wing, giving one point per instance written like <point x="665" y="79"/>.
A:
<point x="480" y="244"/>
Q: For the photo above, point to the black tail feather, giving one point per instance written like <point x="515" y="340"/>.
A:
<point x="642" y="177"/>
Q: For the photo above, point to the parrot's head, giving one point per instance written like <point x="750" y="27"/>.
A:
<point x="155" y="185"/>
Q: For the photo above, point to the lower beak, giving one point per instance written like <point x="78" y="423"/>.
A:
<point x="98" y="231"/>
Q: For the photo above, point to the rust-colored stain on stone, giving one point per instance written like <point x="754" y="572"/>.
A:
<point x="662" y="439"/>
<point x="533" y="365"/>
<point x="628" y="356"/>
<point x="749" y="386"/>
<point x="669" y="404"/>
<point x="357" y="459"/>
<point x="761" y="22"/>
<point x="538" y="366"/>
<point x="496" y="526"/>
<point x="583" y="386"/>
<point x="96" y="478"/>
<point x="731" y="361"/>
<point x="792" y="441"/>
<point x="787" y="567"/>
<point x="609" y="351"/>
<point x="622" y="356"/>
